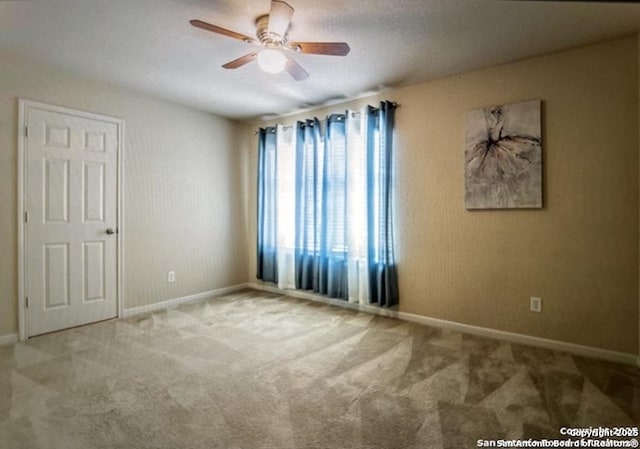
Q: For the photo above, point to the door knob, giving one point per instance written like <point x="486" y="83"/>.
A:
<point x="110" y="231"/>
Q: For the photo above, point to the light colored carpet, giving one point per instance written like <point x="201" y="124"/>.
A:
<point x="256" y="370"/>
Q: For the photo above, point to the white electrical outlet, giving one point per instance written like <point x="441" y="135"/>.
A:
<point x="171" y="276"/>
<point x="536" y="304"/>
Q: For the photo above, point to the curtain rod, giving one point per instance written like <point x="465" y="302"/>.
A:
<point x="353" y="114"/>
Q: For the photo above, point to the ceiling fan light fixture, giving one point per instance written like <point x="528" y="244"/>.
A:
<point x="271" y="60"/>
<point x="271" y="33"/>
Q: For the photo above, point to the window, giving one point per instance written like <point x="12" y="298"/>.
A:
<point x="324" y="204"/>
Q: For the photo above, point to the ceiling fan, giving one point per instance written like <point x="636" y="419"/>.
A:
<point x="271" y="33"/>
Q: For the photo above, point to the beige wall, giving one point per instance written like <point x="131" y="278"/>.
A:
<point x="579" y="253"/>
<point x="182" y="187"/>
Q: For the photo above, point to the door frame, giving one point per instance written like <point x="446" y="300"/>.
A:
<point x="24" y="105"/>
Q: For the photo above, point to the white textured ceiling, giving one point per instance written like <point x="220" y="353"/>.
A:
<point x="149" y="45"/>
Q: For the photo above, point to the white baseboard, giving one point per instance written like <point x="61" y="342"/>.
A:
<point x="300" y="294"/>
<point x="572" y="348"/>
<point x="169" y="303"/>
<point x="512" y="337"/>
<point x="8" y="339"/>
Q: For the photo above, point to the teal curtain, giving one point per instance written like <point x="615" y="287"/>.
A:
<point x="267" y="260"/>
<point x="321" y="207"/>
<point x="382" y="270"/>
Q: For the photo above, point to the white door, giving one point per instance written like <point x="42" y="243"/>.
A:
<point x="71" y="218"/>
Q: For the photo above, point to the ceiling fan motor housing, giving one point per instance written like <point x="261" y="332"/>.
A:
<point x="266" y="37"/>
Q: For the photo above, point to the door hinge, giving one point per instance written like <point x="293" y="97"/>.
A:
<point x="26" y="302"/>
<point x="26" y="217"/>
<point x="26" y="131"/>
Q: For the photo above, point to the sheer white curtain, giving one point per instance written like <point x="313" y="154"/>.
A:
<point x="286" y="168"/>
<point x="357" y="200"/>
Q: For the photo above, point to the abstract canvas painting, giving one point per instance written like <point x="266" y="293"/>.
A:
<point x="503" y="157"/>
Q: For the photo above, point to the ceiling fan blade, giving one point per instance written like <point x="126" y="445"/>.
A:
<point x="296" y="70"/>
<point x="242" y="60"/>
<point x="321" y="48"/>
<point x="280" y="17"/>
<point x="216" y="29"/>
